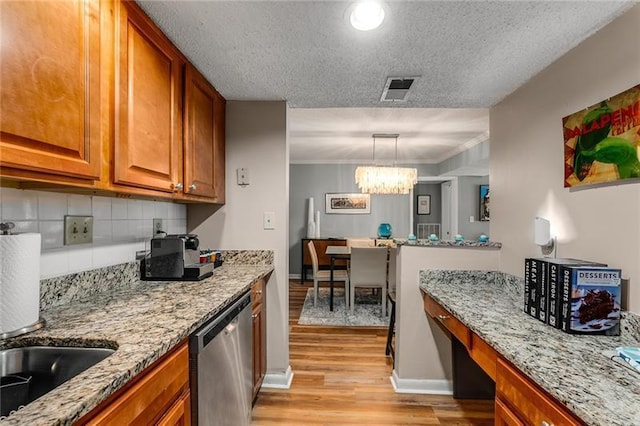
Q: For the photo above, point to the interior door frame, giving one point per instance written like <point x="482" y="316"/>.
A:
<point x="454" y="199"/>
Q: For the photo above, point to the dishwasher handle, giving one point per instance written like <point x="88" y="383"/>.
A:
<point x="231" y="327"/>
<point x="229" y="318"/>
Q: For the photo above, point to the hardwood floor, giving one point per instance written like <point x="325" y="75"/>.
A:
<point x="341" y="377"/>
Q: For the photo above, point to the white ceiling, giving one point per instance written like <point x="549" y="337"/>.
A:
<point x="469" y="54"/>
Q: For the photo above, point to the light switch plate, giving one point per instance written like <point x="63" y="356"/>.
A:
<point x="78" y="230"/>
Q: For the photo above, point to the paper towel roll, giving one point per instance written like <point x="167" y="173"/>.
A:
<point x="19" y="281"/>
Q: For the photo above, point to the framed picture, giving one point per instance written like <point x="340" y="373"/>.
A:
<point x="484" y="203"/>
<point x="424" y="204"/>
<point x="347" y="203"/>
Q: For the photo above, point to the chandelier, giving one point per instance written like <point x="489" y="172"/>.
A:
<point x="385" y="179"/>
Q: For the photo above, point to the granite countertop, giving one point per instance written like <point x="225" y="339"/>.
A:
<point x="457" y="244"/>
<point x="142" y="323"/>
<point x="572" y="368"/>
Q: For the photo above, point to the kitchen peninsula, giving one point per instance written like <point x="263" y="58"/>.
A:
<point x="422" y="362"/>
<point x="142" y="320"/>
<point x="532" y="361"/>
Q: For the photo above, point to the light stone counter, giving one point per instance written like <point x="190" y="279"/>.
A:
<point x="143" y="321"/>
<point x="572" y="368"/>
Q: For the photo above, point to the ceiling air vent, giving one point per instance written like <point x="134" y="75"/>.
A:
<point x="396" y="89"/>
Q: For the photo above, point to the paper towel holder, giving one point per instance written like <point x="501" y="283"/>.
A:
<point x="24" y="330"/>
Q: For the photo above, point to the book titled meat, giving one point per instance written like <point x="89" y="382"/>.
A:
<point x="532" y="275"/>
<point x="594" y="303"/>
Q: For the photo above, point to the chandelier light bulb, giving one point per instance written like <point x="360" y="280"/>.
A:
<point x="367" y="15"/>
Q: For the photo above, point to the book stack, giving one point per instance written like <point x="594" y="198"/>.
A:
<point x="576" y="296"/>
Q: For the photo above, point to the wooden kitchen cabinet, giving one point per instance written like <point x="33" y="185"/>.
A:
<point x="51" y="81"/>
<point x="259" y="317"/>
<point x="204" y="138"/>
<point x="451" y="323"/>
<point x="159" y="395"/>
<point x="179" y="414"/>
<point x="504" y="416"/>
<point x="148" y="98"/>
<point x="527" y="400"/>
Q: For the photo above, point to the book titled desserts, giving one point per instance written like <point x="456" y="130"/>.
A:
<point x="555" y="282"/>
<point x="591" y="300"/>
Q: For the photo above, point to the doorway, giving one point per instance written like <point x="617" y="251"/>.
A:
<point x="441" y="218"/>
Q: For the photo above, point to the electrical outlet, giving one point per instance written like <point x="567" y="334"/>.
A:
<point x="157" y="227"/>
<point x="78" y="230"/>
<point x="268" y="220"/>
<point x="243" y="176"/>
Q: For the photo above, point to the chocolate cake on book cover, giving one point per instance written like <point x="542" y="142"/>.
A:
<point x="594" y="304"/>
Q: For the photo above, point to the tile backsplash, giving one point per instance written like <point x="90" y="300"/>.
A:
<point x="120" y="226"/>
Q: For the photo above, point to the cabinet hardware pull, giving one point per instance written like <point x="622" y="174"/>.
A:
<point x="258" y="291"/>
<point x="192" y="187"/>
<point x="254" y="316"/>
<point x="178" y="186"/>
<point x="443" y="317"/>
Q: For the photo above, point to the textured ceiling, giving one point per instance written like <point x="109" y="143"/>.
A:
<point x="469" y="54"/>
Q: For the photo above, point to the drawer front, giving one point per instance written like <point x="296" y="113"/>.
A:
<point x="450" y="322"/>
<point x="528" y="400"/>
<point x="146" y="401"/>
<point x="504" y="416"/>
<point x="484" y="355"/>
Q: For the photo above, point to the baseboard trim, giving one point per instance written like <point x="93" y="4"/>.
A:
<point x="295" y="276"/>
<point x="278" y="380"/>
<point x="419" y="386"/>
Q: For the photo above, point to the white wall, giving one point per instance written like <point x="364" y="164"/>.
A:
<point x="527" y="173"/>
<point x="255" y="139"/>
<point x="423" y="351"/>
<point x="120" y="226"/>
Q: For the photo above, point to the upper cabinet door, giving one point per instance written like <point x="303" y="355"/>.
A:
<point x="204" y="138"/>
<point x="148" y="130"/>
<point x="50" y="87"/>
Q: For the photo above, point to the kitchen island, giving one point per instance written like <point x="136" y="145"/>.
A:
<point x="143" y="321"/>
<point x="572" y="369"/>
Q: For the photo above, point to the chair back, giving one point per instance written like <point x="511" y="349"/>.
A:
<point x="314" y="257"/>
<point x="369" y="266"/>
<point x="393" y="253"/>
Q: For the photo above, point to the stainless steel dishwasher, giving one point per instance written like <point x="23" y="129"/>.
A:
<point x="221" y="368"/>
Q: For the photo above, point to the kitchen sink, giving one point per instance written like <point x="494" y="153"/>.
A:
<point x="29" y="372"/>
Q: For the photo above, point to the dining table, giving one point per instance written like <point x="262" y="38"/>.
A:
<point x="335" y="252"/>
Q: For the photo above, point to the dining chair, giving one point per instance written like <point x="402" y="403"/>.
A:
<point x="369" y="270"/>
<point x="325" y="276"/>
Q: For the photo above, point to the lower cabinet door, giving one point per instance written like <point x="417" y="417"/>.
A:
<point x="179" y="414"/>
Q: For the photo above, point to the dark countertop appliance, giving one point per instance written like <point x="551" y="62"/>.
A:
<point x="175" y="257"/>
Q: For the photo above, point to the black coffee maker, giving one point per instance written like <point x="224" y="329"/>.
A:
<point x="175" y="257"/>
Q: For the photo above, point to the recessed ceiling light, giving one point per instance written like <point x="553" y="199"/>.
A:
<point x="367" y="15"/>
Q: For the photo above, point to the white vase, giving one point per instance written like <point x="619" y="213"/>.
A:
<point x="311" y="230"/>
<point x="317" y="224"/>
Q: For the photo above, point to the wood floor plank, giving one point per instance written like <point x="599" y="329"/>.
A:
<point x="341" y="377"/>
